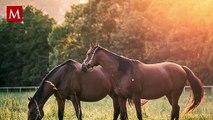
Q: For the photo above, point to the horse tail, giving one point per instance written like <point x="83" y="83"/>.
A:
<point x="143" y="101"/>
<point x="197" y="90"/>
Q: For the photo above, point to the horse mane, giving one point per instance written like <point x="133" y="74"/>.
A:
<point x="67" y="62"/>
<point x="124" y="62"/>
<point x="39" y="92"/>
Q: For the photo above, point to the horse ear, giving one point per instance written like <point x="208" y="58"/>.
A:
<point x="91" y="45"/>
<point x="29" y="98"/>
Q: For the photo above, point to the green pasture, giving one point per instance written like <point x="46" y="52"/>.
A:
<point x="13" y="106"/>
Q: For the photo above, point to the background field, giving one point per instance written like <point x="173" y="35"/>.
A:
<point x="13" y="106"/>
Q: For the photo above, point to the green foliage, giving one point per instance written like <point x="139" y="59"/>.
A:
<point x="65" y="39"/>
<point x="24" y="48"/>
<point x="129" y="36"/>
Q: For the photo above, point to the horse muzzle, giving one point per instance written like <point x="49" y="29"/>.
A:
<point x="85" y="67"/>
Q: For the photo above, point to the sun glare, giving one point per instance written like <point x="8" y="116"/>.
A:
<point x="190" y="14"/>
<point x="83" y="1"/>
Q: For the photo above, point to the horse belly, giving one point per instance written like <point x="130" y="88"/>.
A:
<point x="156" y="89"/>
<point x="92" y="97"/>
<point x="94" y="92"/>
<point x="151" y="93"/>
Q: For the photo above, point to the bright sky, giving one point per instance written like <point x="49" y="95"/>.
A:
<point x="181" y="10"/>
<point x="55" y="8"/>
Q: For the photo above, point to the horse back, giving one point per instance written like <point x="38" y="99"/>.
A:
<point x="161" y="78"/>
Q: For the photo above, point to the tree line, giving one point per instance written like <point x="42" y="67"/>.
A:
<point x="150" y="30"/>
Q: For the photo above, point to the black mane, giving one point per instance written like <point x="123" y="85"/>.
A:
<point x="124" y="62"/>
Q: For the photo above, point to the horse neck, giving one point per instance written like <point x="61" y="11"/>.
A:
<point x="109" y="62"/>
<point x="119" y="64"/>
<point x="42" y="94"/>
<point x="45" y="91"/>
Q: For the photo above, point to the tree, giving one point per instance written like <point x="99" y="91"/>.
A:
<point x="25" y="49"/>
<point x="97" y="21"/>
<point x="66" y="39"/>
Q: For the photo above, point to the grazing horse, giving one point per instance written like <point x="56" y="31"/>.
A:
<point x="136" y="80"/>
<point x="67" y="81"/>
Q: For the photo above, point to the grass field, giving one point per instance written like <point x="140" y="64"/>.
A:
<point x="13" y="106"/>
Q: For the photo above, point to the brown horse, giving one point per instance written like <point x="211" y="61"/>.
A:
<point x="67" y="81"/>
<point x="135" y="80"/>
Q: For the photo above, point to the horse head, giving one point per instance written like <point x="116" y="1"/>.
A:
<point x="91" y="57"/>
<point x="34" y="111"/>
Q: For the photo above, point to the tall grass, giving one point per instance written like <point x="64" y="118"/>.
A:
<point x="13" y="106"/>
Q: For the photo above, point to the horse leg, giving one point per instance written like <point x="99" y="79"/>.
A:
<point x="175" y="111"/>
<point x="77" y="106"/>
<point x="116" y="108"/>
<point x="173" y="100"/>
<point x="123" y="111"/>
<point x="137" y="102"/>
<point x="61" y="103"/>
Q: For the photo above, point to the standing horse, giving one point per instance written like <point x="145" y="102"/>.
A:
<point x="135" y="80"/>
<point x="67" y="81"/>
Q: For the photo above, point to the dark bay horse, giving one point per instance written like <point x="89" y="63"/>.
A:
<point x="67" y="81"/>
<point x="136" y="80"/>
